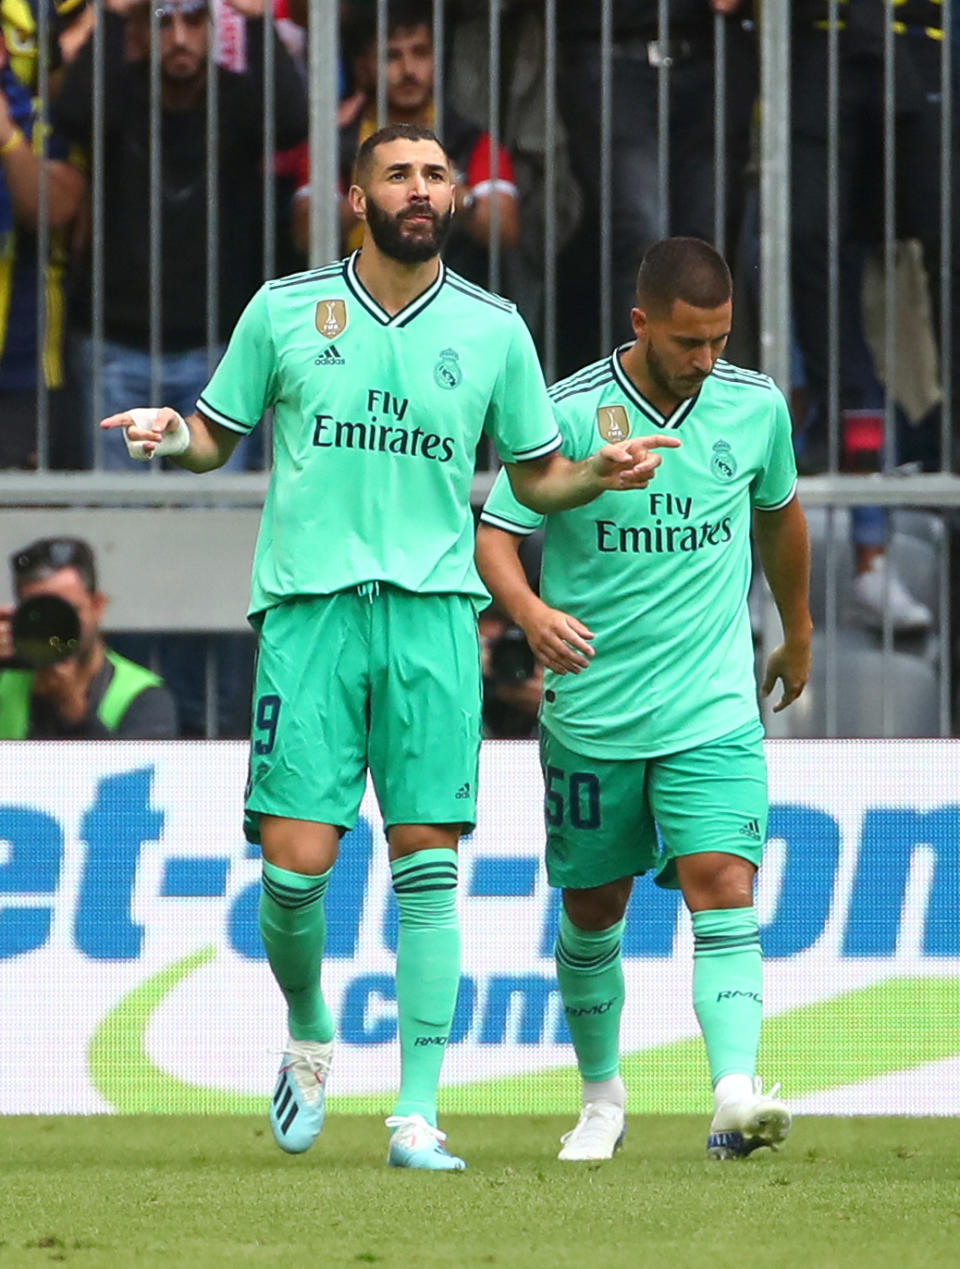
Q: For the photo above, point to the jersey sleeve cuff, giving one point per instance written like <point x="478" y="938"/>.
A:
<point x="777" y="506"/>
<point x="497" y="521"/>
<point x="217" y="416"/>
<point x="535" y="451"/>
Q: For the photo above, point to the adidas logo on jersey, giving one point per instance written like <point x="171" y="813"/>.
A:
<point x="330" y="357"/>
<point x="752" y="830"/>
<point x="463" y="791"/>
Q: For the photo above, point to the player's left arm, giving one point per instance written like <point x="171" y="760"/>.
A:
<point x="784" y="547"/>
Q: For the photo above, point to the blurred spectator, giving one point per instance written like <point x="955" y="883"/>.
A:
<point x="185" y="43"/>
<point x="638" y="54"/>
<point x="512" y="679"/>
<point x="91" y="694"/>
<point x="410" y="76"/>
<point x="21" y="158"/>
<point x="918" y="28"/>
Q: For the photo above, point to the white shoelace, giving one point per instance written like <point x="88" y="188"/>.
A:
<point x="418" y="1124"/>
<point x="308" y="1067"/>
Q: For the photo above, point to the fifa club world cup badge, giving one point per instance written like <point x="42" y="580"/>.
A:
<point x="612" y="423"/>
<point x="447" y="371"/>
<point x="331" y="318"/>
<point x="723" y="464"/>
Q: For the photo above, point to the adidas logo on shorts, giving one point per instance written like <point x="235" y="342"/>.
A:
<point x="464" y="790"/>
<point x="752" y="830"/>
<point x="330" y="357"/>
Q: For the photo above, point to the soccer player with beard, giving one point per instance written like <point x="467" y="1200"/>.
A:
<point x="649" y="718"/>
<point x="382" y="371"/>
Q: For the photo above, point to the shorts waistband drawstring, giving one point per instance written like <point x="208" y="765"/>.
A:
<point x="369" y="591"/>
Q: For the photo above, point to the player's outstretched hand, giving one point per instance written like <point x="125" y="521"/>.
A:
<point x="630" y="464"/>
<point x="789" y="662"/>
<point x="558" y="640"/>
<point x="149" y="431"/>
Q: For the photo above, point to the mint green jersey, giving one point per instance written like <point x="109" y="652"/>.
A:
<point x="376" y="424"/>
<point x="659" y="575"/>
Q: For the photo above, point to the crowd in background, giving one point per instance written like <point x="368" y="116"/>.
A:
<point x="155" y="270"/>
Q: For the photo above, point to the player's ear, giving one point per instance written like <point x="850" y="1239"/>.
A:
<point x="638" y="320"/>
<point x="358" y="202"/>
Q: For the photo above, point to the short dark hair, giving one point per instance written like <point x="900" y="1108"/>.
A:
<point x="39" y="559"/>
<point x="392" y="132"/>
<point x="687" y="269"/>
<point x="360" y="30"/>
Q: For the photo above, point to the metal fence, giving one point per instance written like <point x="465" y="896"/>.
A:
<point x="601" y="110"/>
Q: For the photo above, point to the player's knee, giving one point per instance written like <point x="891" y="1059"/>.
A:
<point x="716" y="881"/>
<point x="599" y="907"/>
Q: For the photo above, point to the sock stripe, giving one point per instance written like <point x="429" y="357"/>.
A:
<point x="292" y="899"/>
<point x="704" y="944"/>
<point x="426" y="870"/>
<point x="585" y="964"/>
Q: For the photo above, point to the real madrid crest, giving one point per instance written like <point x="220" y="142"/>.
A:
<point x="612" y="423"/>
<point x="723" y="464"/>
<point x="331" y="318"/>
<point x="447" y="372"/>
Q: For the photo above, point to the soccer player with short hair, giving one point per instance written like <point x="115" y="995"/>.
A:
<point x="382" y="371"/>
<point x="649" y="715"/>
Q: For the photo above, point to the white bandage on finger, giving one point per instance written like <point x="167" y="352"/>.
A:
<point x="174" y="441"/>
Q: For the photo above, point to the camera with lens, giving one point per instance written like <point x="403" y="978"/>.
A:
<point x="45" y="630"/>
<point x="511" y="658"/>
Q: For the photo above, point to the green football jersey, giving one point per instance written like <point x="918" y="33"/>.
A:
<point x="376" y="425"/>
<point x="659" y="575"/>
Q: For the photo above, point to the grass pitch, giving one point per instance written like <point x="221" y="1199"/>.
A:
<point x="215" y="1191"/>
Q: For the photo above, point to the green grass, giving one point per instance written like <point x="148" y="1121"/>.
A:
<point x="215" y="1191"/>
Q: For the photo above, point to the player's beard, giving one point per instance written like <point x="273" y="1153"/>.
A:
<point x="681" y="389"/>
<point x="387" y="233"/>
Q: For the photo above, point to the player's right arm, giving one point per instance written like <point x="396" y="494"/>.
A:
<point x="243" y="385"/>
<point x="207" y="445"/>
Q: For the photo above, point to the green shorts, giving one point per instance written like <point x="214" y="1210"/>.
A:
<point x="381" y="679"/>
<point x="611" y="819"/>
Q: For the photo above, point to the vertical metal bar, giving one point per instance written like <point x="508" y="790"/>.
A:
<point x="323" y="40"/>
<point x="775" y="191"/>
<point x="550" y="202"/>
<point x="833" y="355"/>
<point x="97" y="237"/>
<point x="833" y="237"/>
<point x="889" y="335"/>
<point x="382" y="24"/>
<point x="439" y="56"/>
<point x="211" y="699"/>
<point x="606" y="171"/>
<point x="156" y="205"/>
<point x="944" y="625"/>
<point x="831" y="619"/>
<point x="663" y="118"/>
<point x="946" y="352"/>
<point x="720" y="133"/>
<point x="269" y="146"/>
<point x="213" y="213"/>
<point x="493" y="251"/>
<point x="946" y="237"/>
<point x="39" y="138"/>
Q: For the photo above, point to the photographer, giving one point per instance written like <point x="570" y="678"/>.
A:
<point x="91" y="693"/>
<point x="512" y="680"/>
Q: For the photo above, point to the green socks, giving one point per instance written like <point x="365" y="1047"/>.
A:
<point x="293" y="928"/>
<point x="590" y="975"/>
<point x="728" y="988"/>
<point x="428" y="973"/>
